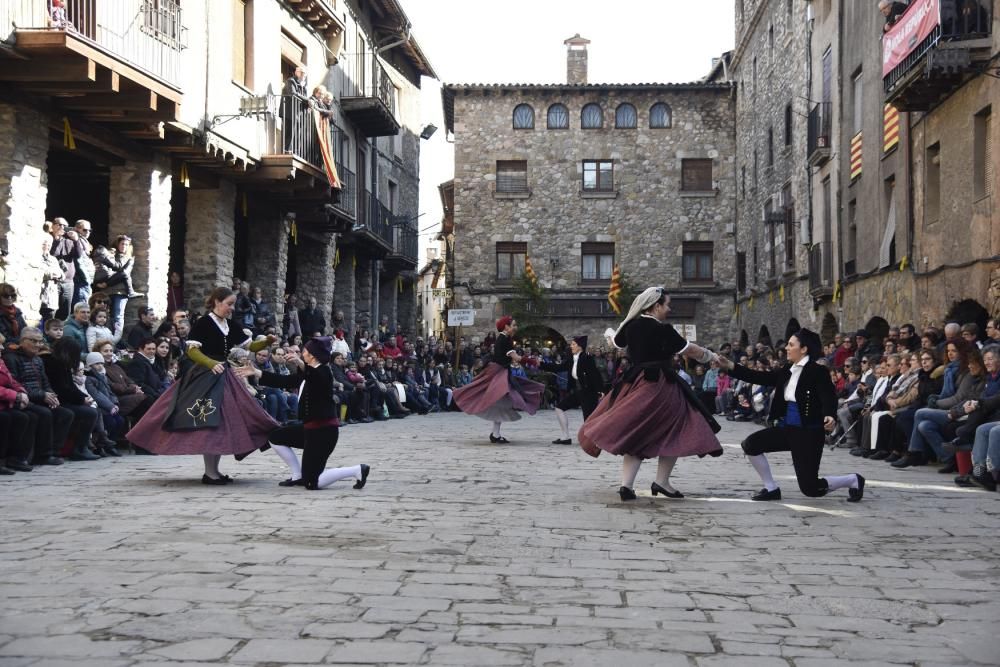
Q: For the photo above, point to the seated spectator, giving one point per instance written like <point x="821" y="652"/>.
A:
<point x="390" y="396"/>
<point x="723" y="393"/>
<point x="389" y="349"/>
<point x="280" y="404"/>
<point x="76" y="327"/>
<point x="99" y="388"/>
<point x="142" y="369"/>
<point x="60" y="367"/>
<point x="11" y="318"/>
<point x="16" y="424"/>
<point x="101" y="443"/>
<point x="904" y="409"/>
<point x="340" y="345"/>
<point x="465" y="376"/>
<point x="53" y="331"/>
<point x="349" y="393"/>
<point x="132" y="400"/>
<point x="908" y="338"/>
<point x="844" y="352"/>
<point x="970" y="333"/>
<point x="375" y="394"/>
<point x="992" y="332"/>
<point x="162" y="362"/>
<point x="142" y="330"/>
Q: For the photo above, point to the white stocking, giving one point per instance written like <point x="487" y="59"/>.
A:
<point x="663" y="470"/>
<point x="842" y="482"/>
<point x="290" y="459"/>
<point x="331" y="475"/>
<point x="212" y="465"/>
<point x="759" y="463"/>
<point x="496" y="429"/>
<point x="630" y="468"/>
<point x="563" y="423"/>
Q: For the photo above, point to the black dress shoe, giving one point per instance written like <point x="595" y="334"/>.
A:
<point x="911" y="459"/>
<point x="764" y="494"/>
<point x="893" y="457"/>
<point x="205" y="479"/>
<point x="626" y="493"/>
<point x="6" y="471"/>
<point x="562" y="441"/>
<point x="986" y="481"/>
<point x="964" y="481"/>
<point x="49" y="461"/>
<point x="857" y="451"/>
<point x="292" y="482"/>
<point x="19" y="466"/>
<point x="110" y="450"/>
<point x="948" y="468"/>
<point x="855" y="495"/>
<point x="880" y="455"/>
<point x="365" y="469"/>
<point x="85" y="455"/>
<point x="657" y="489"/>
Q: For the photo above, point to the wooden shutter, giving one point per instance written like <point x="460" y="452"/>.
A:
<point x="696" y="175"/>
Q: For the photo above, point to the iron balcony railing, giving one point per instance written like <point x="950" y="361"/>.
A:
<point x="374" y="216"/>
<point x="404" y="238"/>
<point x="298" y="130"/>
<point x="363" y="75"/>
<point x="348" y="194"/>
<point x="147" y="34"/>
<point x="818" y="134"/>
<point x="960" y="20"/>
<point x="820" y="266"/>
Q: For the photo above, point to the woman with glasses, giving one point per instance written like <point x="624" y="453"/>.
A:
<point x="651" y="413"/>
<point x="11" y="318"/>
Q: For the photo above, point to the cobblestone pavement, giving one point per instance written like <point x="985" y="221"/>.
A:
<point x="459" y="552"/>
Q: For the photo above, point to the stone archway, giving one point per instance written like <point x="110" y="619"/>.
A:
<point x="744" y="339"/>
<point x="764" y="336"/>
<point x="829" y="328"/>
<point x="877" y="328"/>
<point x="539" y="336"/>
<point x="968" y="311"/>
<point x="790" y="328"/>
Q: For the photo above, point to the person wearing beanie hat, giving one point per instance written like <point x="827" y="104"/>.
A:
<point x="584" y="385"/>
<point x="495" y="394"/>
<point x="319" y="429"/>
<point x="651" y="412"/>
<point x="111" y="422"/>
<point x="804" y="406"/>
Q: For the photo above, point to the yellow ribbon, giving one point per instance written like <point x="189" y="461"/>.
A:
<point x="184" y="177"/>
<point x="750" y="305"/>
<point x="770" y="297"/>
<point x="354" y="261"/>
<point x="399" y="283"/>
<point x="836" y="292"/>
<point x="336" y="258"/>
<point x="905" y="262"/>
<point x="781" y="292"/>
<point x="737" y="312"/>
<point x="295" y="232"/>
<point x="68" y="141"/>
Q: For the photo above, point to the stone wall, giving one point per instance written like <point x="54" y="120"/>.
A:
<point x="24" y="146"/>
<point x="314" y="256"/>
<point x="363" y="293"/>
<point x="646" y="216"/>
<point x="344" y="289"/>
<point x="209" y="242"/>
<point x="268" y="251"/>
<point x="140" y="208"/>
<point x="388" y="289"/>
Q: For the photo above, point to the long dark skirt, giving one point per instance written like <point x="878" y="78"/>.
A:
<point x="496" y="395"/>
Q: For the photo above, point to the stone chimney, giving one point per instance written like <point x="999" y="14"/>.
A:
<point x="576" y="60"/>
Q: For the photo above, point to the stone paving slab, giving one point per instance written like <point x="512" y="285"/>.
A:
<point x="459" y="552"/>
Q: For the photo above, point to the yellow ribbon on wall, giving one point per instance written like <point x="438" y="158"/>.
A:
<point x="354" y="261"/>
<point x="905" y="262"/>
<point x="737" y="311"/>
<point x="836" y="292"/>
<point x="68" y="141"/>
<point x="184" y="177"/>
<point x="750" y="305"/>
<point x="294" y="232"/>
<point x="399" y="283"/>
<point x="781" y="293"/>
<point x="770" y="297"/>
<point x="336" y="258"/>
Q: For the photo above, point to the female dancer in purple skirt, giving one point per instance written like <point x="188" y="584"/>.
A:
<point x="496" y="395"/>
<point x="652" y="412"/>
<point x="208" y="412"/>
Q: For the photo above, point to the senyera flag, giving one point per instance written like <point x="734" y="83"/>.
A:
<point x="323" y="132"/>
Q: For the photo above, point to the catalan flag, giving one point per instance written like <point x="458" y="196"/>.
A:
<point x="529" y="272"/>
<point x="856" y="146"/>
<point x="615" y="290"/>
<point x="890" y="128"/>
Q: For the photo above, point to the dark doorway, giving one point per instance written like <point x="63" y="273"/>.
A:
<point x="292" y="270"/>
<point x="178" y="227"/>
<point x="539" y="336"/>
<point x="764" y="336"/>
<point x="744" y="340"/>
<point x="792" y="327"/>
<point x="829" y="328"/>
<point x="878" y="329"/>
<point x="241" y="246"/>
<point x="969" y="311"/>
<point x="79" y="188"/>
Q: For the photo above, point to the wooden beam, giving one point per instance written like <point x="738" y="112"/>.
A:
<point x="153" y="131"/>
<point x="106" y="82"/>
<point x="166" y="111"/>
<point x="84" y="149"/>
<point x="145" y="100"/>
<point x="104" y="139"/>
<point x="67" y="69"/>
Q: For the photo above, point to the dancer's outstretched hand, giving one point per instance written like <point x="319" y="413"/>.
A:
<point x="828" y="424"/>
<point x="246" y="371"/>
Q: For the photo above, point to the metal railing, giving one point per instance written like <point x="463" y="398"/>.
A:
<point x="298" y="130"/>
<point x="348" y="193"/>
<point x="819" y="126"/>
<point x="959" y="21"/>
<point x="147" y="34"/>
<point x="362" y="75"/>
<point x="376" y="217"/>
<point x="404" y="238"/>
<point x="820" y="266"/>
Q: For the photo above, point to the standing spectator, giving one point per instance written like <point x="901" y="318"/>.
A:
<point x="244" y="311"/>
<point x="992" y="332"/>
<point x="295" y="98"/>
<point x="84" y="264"/>
<point x="970" y="334"/>
<point x="52" y="276"/>
<point x="290" y="322"/>
<point x="141" y="330"/>
<point x="865" y="345"/>
<point x="11" y="318"/>
<point x="114" y="276"/>
<point x="65" y="249"/>
<point x="891" y="10"/>
<point x="263" y="316"/>
<point x="908" y="338"/>
<point x="76" y="327"/>
<point x="53" y="421"/>
<point x="312" y="319"/>
<point x="175" y="292"/>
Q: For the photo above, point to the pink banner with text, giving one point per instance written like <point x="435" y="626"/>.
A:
<point x="913" y="27"/>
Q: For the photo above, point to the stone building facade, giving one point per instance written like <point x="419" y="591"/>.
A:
<point x="898" y="178"/>
<point x="178" y="136"/>
<point x="648" y="185"/>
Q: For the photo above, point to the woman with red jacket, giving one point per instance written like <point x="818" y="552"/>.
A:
<point x="16" y="426"/>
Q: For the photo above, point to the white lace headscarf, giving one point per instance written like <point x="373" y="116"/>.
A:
<point x="650" y="296"/>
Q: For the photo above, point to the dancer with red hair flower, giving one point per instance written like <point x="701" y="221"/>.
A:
<point x="495" y="395"/>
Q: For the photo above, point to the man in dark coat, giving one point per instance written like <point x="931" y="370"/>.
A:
<point x="584" y="385"/>
<point x="311" y="320"/>
<point x="142" y="372"/>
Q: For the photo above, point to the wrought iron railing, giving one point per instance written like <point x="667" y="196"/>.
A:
<point x="147" y="34"/>
<point x="820" y="266"/>
<point x="404" y="238"/>
<point x="362" y="75"/>
<point x="374" y="216"/>
<point x="348" y="194"/>
<point x="298" y="130"/>
<point x="819" y="125"/>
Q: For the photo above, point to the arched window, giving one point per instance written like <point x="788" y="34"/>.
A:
<point x="660" y="116"/>
<point x="524" y="117"/>
<point x="558" y="118"/>
<point x="591" y="117"/>
<point x="626" y="117"/>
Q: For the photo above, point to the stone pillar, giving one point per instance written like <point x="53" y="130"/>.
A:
<point x="24" y="147"/>
<point x="210" y="242"/>
<point x="268" y="254"/>
<point x="314" y="267"/>
<point x="363" y="294"/>
<point x="406" y="307"/>
<point x="140" y="208"/>
<point x="388" y="290"/>
<point x="344" y="289"/>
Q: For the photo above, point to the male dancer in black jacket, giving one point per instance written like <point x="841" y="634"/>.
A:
<point x="584" y="385"/>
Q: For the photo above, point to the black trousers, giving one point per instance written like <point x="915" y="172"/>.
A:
<point x="316" y="444"/>
<point x="806" y="446"/>
<point x="15" y="435"/>
<point x="51" y="429"/>
<point x="585" y="400"/>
